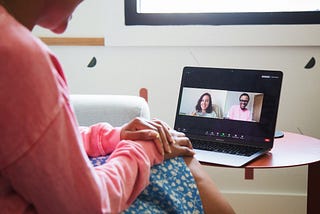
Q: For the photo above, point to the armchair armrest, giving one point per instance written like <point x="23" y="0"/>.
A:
<point x="113" y="109"/>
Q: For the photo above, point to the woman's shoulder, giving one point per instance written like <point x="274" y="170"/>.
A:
<point x="18" y="42"/>
<point x="212" y="114"/>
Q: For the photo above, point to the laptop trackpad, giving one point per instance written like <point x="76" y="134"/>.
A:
<point x="223" y="158"/>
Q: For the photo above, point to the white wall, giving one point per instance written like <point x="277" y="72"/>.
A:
<point x="126" y="69"/>
<point x="153" y="57"/>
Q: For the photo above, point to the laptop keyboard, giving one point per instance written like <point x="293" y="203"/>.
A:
<point x="224" y="148"/>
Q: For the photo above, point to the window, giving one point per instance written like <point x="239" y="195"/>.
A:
<point x="221" y="12"/>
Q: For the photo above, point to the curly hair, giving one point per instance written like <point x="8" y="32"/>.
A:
<point x="198" y="106"/>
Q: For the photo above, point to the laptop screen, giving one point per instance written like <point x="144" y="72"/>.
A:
<point x="234" y="105"/>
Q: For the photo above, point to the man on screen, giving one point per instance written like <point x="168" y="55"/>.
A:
<point x="240" y="112"/>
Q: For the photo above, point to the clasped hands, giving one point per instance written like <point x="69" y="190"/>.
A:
<point x="169" y="142"/>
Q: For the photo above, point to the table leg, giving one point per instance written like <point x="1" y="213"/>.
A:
<point x="313" y="205"/>
<point x="249" y="173"/>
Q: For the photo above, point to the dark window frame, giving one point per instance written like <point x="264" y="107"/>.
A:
<point x="263" y="18"/>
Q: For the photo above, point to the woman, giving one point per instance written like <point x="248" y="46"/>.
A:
<point x="44" y="165"/>
<point x="204" y="107"/>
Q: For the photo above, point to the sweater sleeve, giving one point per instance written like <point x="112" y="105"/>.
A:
<point x="56" y="176"/>
<point x="100" y="139"/>
<point x="129" y="159"/>
<point x="128" y="172"/>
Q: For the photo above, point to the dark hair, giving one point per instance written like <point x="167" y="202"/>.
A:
<point x="198" y="106"/>
<point x="244" y="94"/>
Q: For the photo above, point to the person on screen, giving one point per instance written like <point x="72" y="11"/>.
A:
<point x="204" y="107"/>
<point x="240" y="112"/>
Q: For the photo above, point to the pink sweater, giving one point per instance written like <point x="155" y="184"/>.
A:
<point x="44" y="166"/>
<point x="236" y="113"/>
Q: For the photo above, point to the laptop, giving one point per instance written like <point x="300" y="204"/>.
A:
<point x="228" y="114"/>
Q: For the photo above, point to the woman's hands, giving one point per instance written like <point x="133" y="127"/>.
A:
<point x="155" y="130"/>
<point x="181" y="147"/>
<point x="169" y="142"/>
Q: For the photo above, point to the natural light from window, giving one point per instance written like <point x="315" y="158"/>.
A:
<point x="225" y="6"/>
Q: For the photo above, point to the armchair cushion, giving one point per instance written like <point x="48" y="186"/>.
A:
<point x="114" y="109"/>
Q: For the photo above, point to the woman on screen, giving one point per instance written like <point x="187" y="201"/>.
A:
<point x="204" y="107"/>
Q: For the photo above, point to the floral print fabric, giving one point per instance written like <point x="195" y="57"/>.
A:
<point x="172" y="189"/>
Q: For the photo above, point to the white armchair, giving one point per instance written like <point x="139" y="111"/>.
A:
<point x="114" y="109"/>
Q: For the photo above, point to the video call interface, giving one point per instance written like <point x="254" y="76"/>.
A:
<point x="242" y="106"/>
<point x="221" y="104"/>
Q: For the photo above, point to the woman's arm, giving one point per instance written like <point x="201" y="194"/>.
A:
<point x="56" y="176"/>
<point x="212" y="199"/>
<point x="102" y="138"/>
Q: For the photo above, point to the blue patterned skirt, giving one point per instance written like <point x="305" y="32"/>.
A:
<point x="172" y="189"/>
